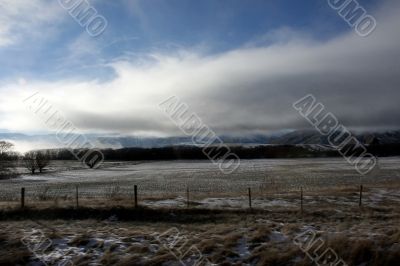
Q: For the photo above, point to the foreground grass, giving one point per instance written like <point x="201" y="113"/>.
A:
<point x="113" y="232"/>
<point x="129" y="236"/>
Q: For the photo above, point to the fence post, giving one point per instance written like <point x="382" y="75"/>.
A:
<point x="250" y="198"/>
<point x="136" y="201"/>
<point x="361" y="191"/>
<point x="22" y="198"/>
<point x="77" y="196"/>
<point x="187" y="197"/>
<point x="301" y="200"/>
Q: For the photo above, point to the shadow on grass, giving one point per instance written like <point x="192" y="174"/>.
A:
<point x="125" y="214"/>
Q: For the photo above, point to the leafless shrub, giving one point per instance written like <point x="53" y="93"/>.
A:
<point x="42" y="160"/>
<point x="36" y="160"/>
<point x="30" y="161"/>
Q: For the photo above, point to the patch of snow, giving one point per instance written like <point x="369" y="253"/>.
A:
<point x="243" y="249"/>
<point x="276" y="236"/>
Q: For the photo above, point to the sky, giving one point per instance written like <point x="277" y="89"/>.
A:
<point x="239" y="65"/>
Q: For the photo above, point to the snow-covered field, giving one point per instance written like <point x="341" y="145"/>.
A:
<point x="165" y="183"/>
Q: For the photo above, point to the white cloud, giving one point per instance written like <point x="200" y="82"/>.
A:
<point x="247" y="89"/>
<point x="22" y="19"/>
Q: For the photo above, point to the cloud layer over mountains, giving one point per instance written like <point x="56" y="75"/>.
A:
<point x="248" y="89"/>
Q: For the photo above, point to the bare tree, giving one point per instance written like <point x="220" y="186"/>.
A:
<point x="42" y="160"/>
<point x="30" y="161"/>
<point x="5" y="147"/>
<point x="7" y="160"/>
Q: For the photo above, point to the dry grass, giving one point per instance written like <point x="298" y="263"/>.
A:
<point x="272" y="256"/>
<point x="80" y="240"/>
<point x="360" y="236"/>
<point x="16" y="256"/>
<point x="11" y="251"/>
<point x="220" y="240"/>
<point x="137" y="248"/>
<point x="260" y="234"/>
<point x="366" y="251"/>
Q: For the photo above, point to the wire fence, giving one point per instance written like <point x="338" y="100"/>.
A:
<point x="184" y="194"/>
<point x="272" y="183"/>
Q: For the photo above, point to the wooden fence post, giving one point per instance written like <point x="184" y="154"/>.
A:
<point x="22" y="198"/>
<point x="77" y="196"/>
<point x="361" y="191"/>
<point x="136" y="199"/>
<point x="250" y="198"/>
<point x="301" y="200"/>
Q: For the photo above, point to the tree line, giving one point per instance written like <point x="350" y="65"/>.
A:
<point x="244" y="152"/>
<point x="37" y="161"/>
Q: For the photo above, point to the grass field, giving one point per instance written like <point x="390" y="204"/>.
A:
<point x="217" y="226"/>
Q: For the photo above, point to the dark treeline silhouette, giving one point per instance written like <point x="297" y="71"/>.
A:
<point x="254" y="152"/>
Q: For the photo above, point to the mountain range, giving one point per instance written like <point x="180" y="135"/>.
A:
<point x="24" y="142"/>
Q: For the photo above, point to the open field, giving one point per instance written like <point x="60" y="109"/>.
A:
<point x="217" y="223"/>
<point x="166" y="183"/>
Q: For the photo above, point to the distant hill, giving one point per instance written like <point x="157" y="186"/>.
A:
<point x="311" y="138"/>
<point x="295" y="137"/>
<point x="314" y="137"/>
